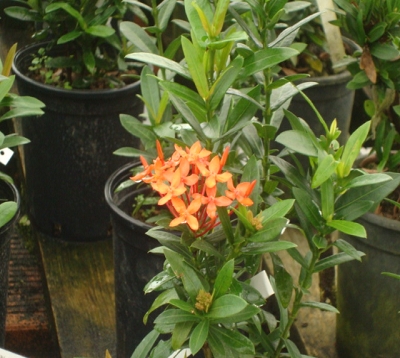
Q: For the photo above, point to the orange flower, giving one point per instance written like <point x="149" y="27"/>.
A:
<point x="174" y="189"/>
<point x="196" y="155"/>
<point x="214" y="176"/>
<point x="147" y="171"/>
<point x="186" y="213"/>
<point x="212" y="201"/>
<point x="241" y="192"/>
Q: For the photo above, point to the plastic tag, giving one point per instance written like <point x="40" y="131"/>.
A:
<point x="5" y="156"/>
<point x="261" y="283"/>
<point x="180" y="354"/>
<point x="7" y="354"/>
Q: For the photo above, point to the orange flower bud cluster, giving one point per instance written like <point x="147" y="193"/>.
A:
<point x="187" y="185"/>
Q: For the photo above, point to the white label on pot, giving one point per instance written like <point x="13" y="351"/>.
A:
<point x="7" y="354"/>
<point x="261" y="283"/>
<point x="5" y="156"/>
<point x="180" y="354"/>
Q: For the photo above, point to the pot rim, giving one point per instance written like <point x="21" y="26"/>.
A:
<point x="24" y="51"/>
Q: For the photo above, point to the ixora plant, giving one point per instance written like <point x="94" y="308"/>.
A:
<point x="217" y="178"/>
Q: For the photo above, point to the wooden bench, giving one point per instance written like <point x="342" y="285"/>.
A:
<point x="80" y="282"/>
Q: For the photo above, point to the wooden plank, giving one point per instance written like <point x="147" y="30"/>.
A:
<point x="80" y="280"/>
<point x="28" y="323"/>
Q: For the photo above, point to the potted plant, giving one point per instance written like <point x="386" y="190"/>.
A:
<point x="375" y="28"/>
<point x="215" y="139"/>
<point x="11" y="106"/>
<point x="82" y="77"/>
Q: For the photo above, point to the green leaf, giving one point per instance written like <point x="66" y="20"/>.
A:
<point x="89" y="60"/>
<point x="22" y="13"/>
<point x="224" y="279"/>
<point x="199" y="336"/>
<point x="292" y="349"/>
<point x="271" y="230"/>
<point x="283" y="282"/>
<point x="183" y="305"/>
<point x="205" y="246"/>
<point x="150" y="93"/>
<point x="245" y="314"/>
<point x="233" y="339"/>
<point x="324" y="171"/>
<point x="100" y="31"/>
<point x="138" y="37"/>
<point x="348" y="249"/>
<point x="139" y="130"/>
<point x="194" y="61"/>
<point x="384" y="52"/>
<point x="173" y="316"/>
<point x="368" y="179"/>
<point x="159" y="61"/>
<point x="298" y="141"/>
<point x="180" y="334"/>
<point x="190" y="278"/>
<point x="264" y="247"/>
<point x="334" y="260"/>
<point x="223" y="82"/>
<point x="266" y="58"/>
<point x="166" y="9"/>
<point x="226" y="306"/>
<point x="70" y="10"/>
<point x="308" y="207"/>
<point x="354" y="210"/>
<point x="352" y="149"/>
<point x="70" y="36"/>
<point x="8" y="210"/>
<point x="162" y="299"/>
<point x="348" y="227"/>
<point x="277" y="210"/>
<point x="145" y="346"/>
<point x="320" y="305"/>
<point x="13" y="140"/>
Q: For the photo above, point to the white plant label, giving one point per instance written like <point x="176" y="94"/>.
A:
<point x="7" y="354"/>
<point x="261" y="283"/>
<point x="180" y="354"/>
<point x="5" y="156"/>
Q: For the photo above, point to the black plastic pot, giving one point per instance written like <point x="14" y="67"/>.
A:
<point x="71" y="155"/>
<point x="368" y="325"/>
<point x="9" y="192"/>
<point x="133" y="265"/>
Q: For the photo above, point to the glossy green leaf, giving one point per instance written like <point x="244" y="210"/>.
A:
<point x="352" y="149"/>
<point x="224" y="279"/>
<point x="190" y="278"/>
<point x="145" y="346"/>
<point x="298" y="142"/>
<point x="354" y="211"/>
<point x="158" y="281"/>
<point x="13" y="140"/>
<point x="233" y="340"/>
<point x="384" y="52"/>
<point x="348" y="227"/>
<point x="159" y="61"/>
<point x="22" y="13"/>
<point x="162" y="299"/>
<point x="70" y="10"/>
<point x="172" y="316"/>
<point x="100" y="31"/>
<point x="180" y="334"/>
<point x="348" y="249"/>
<point x="205" y="246"/>
<point x="223" y="82"/>
<point x="328" y="199"/>
<point x="264" y="247"/>
<point x="183" y="305"/>
<point x="308" y="207"/>
<point x="283" y="282"/>
<point x="165" y="10"/>
<point x="199" y="336"/>
<point x="334" y="260"/>
<point x="320" y="305"/>
<point x="324" y="171"/>
<point x="245" y="314"/>
<point x="6" y="85"/>
<point x="8" y="210"/>
<point x="226" y="306"/>
<point x="272" y="229"/>
<point x="277" y="210"/>
<point x="266" y="58"/>
<point x="70" y="36"/>
<point x="292" y="349"/>
<point x="368" y="179"/>
<point x="194" y="18"/>
<point x="194" y="61"/>
<point x="139" y="130"/>
<point x="139" y="37"/>
<point x="226" y="224"/>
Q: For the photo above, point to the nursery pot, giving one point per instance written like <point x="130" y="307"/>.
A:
<point x="134" y="266"/>
<point x="71" y="155"/>
<point x="368" y="325"/>
<point x="9" y="192"/>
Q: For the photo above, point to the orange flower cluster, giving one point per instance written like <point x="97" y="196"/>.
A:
<point x="187" y="184"/>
